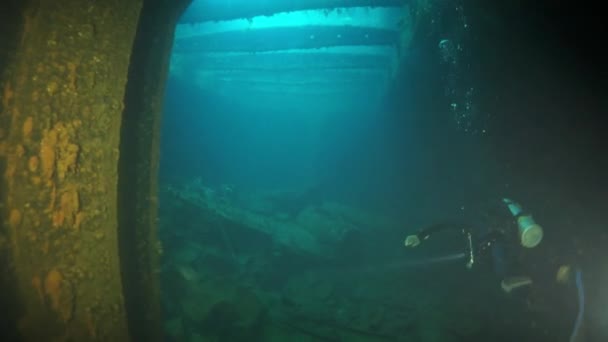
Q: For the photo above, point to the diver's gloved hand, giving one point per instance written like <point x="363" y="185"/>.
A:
<point x="412" y="241"/>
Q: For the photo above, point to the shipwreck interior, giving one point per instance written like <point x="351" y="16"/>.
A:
<point x="249" y="170"/>
<point x="299" y="145"/>
<point x="281" y="201"/>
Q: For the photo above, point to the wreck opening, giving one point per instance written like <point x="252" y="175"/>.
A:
<point x="272" y="162"/>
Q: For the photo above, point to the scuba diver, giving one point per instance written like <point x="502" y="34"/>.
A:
<point x="493" y="243"/>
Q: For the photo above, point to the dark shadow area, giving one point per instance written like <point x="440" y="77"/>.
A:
<point x="9" y="295"/>
<point x="137" y="207"/>
<point x="541" y="67"/>
<point x="11" y="22"/>
<point x="138" y="250"/>
<point x="543" y="73"/>
<point x="10" y="25"/>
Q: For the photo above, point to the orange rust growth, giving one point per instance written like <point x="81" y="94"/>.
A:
<point x="52" y="286"/>
<point x="33" y="163"/>
<point x="50" y="271"/>
<point x="57" y="154"/>
<point x="67" y="213"/>
<point x="58" y="219"/>
<point x="28" y="125"/>
<point x="67" y="160"/>
<point x="59" y="293"/>
<point x="47" y="153"/>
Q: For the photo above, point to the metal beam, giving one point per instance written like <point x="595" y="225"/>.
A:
<point x="301" y="76"/>
<point x="203" y="10"/>
<point x="313" y="86"/>
<point x="285" y="38"/>
<point x="284" y="61"/>
<point x="287" y="94"/>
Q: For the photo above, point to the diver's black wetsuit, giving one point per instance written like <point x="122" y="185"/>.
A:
<point x="481" y="246"/>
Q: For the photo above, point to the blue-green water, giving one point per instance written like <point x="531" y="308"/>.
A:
<point x="300" y="149"/>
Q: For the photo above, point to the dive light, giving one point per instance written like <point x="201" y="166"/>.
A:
<point x="530" y="232"/>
